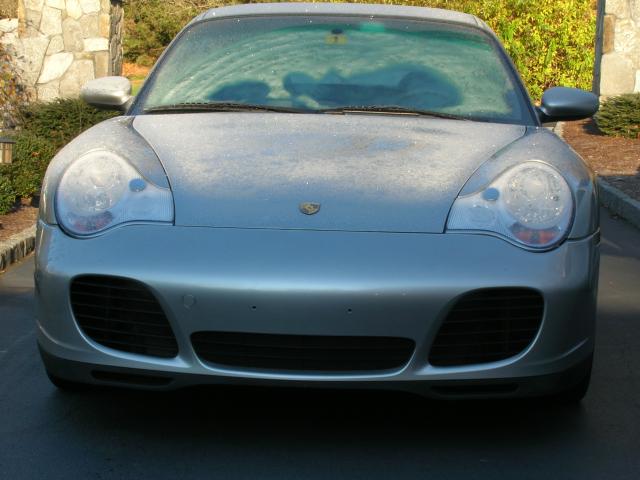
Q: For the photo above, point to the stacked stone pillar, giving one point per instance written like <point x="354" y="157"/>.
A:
<point x="618" y="48"/>
<point x="59" y="45"/>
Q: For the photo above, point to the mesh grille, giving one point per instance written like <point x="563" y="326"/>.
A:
<point x="302" y="352"/>
<point x="122" y="314"/>
<point x="488" y="325"/>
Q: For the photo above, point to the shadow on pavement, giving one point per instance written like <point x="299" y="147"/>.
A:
<point x="245" y="412"/>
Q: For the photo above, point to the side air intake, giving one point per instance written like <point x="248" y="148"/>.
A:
<point x="122" y="314"/>
<point x="488" y="325"/>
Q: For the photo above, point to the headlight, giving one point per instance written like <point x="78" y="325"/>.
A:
<point x="101" y="189"/>
<point x="530" y="204"/>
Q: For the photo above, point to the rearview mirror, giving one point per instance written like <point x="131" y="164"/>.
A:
<point x="108" y="93"/>
<point x="562" y="103"/>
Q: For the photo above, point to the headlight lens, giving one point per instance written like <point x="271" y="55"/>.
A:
<point x="530" y="204"/>
<point x="101" y="189"/>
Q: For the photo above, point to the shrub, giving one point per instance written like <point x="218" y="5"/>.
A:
<point x="61" y="120"/>
<point x="551" y="41"/>
<point x="8" y="8"/>
<point x="46" y="129"/>
<point x="31" y="158"/>
<point x="620" y="116"/>
<point x="7" y="194"/>
<point x="151" y="24"/>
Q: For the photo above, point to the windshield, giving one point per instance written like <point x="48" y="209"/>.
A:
<point x="327" y="63"/>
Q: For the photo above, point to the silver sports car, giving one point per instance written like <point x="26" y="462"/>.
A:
<point x="323" y="195"/>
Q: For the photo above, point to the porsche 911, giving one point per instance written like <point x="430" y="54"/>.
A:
<point x="323" y="195"/>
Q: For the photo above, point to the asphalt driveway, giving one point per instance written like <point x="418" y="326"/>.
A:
<point x="249" y="433"/>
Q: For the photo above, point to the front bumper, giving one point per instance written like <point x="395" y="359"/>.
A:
<point x="317" y="283"/>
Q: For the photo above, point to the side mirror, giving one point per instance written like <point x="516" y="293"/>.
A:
<point x="562" y="103"/>
<point x="108" y="93"/>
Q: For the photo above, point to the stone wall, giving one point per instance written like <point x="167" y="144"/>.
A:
<point x="9" y="30"/>
<point x="618" y="53"/>
<point x="61" y="44"/>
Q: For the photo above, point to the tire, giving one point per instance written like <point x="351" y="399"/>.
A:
<point x="67" y="385"/>
<point x="576" y="393"/>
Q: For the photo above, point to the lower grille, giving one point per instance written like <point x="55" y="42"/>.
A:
<point x="302" y="352"/>
<point x="122" y="314"/>
<point x="488" y="325"/>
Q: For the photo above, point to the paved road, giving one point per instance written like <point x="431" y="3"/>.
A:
<point x="222" y="433"/>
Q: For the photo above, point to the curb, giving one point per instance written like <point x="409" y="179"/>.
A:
<point x="619" y="203"/>
<point x="612" y="198"/>
<point x="17" y="246"/>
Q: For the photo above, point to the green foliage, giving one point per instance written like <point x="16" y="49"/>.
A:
<point x="151" y="24"/>
<point x="550" y="41"/>
<point x="46" y="129"/>
<point x="620" y="116"/>
<point x="32" y="154"/>
<point x="62" y="120"/>
<point x="8" y="8"/>
<point x="7" y="194"/>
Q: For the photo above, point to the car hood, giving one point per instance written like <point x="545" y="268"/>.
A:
<point x="367" y="172"/>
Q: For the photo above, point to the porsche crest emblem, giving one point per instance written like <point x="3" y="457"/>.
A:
<point x="309" y="208"/>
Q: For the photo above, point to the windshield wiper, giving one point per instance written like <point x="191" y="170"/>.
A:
<point x="221" y="107"/>
<point x="250" y="107"/>
<point x="391" y="109"/>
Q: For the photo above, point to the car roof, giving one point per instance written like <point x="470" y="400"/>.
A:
<point x="422" y="13"/>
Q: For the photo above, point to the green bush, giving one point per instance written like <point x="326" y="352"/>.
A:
<point x="7" y="194"/>
<point x="62" y="120"/>
<point x="46" y="129"/>
<point x="151" y="24"/>
<point x="550" y="41"/>
<point x="620" y="116"/>
<point x="31" y="158"/>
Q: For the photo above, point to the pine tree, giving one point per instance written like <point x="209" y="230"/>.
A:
<point x="620" y="116"/>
